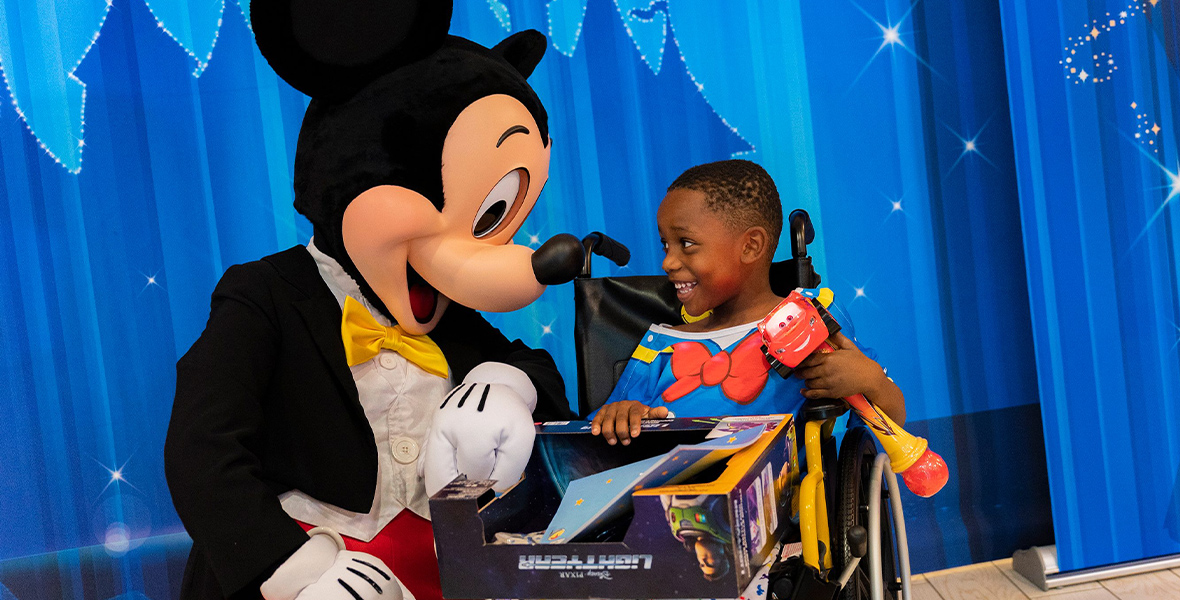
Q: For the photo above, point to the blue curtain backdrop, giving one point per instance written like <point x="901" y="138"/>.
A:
<point x="1094" y="95"/>
<point x="148" y="146"/>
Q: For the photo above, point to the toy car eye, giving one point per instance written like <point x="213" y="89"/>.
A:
<point x="500" y="203"/>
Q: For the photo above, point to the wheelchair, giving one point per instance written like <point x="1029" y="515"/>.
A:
<point x="851" y="525"/>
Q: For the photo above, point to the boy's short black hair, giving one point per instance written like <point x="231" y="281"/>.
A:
<point x="740" y="192"/>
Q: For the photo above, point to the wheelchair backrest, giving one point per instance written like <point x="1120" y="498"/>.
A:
<point x="612" y="314"/>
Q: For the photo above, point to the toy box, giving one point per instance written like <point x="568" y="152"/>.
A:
<point x="703" y="538"/>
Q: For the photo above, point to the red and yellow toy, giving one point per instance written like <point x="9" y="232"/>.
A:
<point x="799" y="326"/>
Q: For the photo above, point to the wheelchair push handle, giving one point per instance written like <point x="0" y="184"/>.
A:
<point x="605" y="246"/>
<point x="798" y="268"/>
<point x="802" y="232"/>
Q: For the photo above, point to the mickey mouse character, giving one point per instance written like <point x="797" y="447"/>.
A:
<point x="318" y="410"/>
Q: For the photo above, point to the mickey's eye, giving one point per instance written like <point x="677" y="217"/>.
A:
<point x="500" y="203"/>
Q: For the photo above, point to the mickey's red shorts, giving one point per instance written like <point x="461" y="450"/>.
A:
<point x="406" y="545"/>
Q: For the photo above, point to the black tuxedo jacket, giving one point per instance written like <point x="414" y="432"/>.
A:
<point x="265" y="403"/>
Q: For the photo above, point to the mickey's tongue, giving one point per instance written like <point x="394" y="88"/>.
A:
<point x="423" y="297"/>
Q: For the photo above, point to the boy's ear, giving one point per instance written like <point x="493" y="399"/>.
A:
<point x="755" y="244"/>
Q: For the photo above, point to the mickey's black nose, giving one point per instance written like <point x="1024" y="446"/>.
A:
<point x="558" y="260"/>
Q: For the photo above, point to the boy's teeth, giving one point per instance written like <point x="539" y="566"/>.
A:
<point x="682" y="288"/>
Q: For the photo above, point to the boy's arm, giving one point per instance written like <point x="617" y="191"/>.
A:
<point x="623" y="420"/>
<point x="889" y="398"/>
<point x="619" y="418"/>
<point x="848" y="371"/>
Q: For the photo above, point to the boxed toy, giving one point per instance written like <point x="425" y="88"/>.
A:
<point x="690" y="509"/>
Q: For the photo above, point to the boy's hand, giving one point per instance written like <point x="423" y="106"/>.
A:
<point x="620" y="421"/>
<point x="841" y="373"/>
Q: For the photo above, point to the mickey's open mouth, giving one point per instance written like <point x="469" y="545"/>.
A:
<point x="423" y="296"/>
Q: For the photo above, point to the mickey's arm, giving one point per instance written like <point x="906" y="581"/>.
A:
<point x="216" y="480"/>
<point x="489" y="345"/>
<point x="484" y="428"/>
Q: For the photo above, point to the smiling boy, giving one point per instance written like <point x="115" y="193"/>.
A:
<point x="719" y="225"/>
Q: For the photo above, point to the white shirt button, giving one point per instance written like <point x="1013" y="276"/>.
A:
<point x="405" y="450"/>
<point x="387" y="360"/>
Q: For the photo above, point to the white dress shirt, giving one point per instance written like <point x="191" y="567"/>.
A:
<point x="398" y="399"/>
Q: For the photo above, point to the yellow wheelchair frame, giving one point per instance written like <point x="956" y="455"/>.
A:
<point x="813" y="499"/>
<point x="812" y="575"/>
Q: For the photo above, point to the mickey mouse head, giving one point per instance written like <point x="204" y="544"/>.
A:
<point x="421" y="154"/>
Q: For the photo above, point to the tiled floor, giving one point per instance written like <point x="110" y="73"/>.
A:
<point x="997" y="581"/>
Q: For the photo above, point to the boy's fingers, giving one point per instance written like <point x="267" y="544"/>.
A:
<point x="608" y="426"/>
<point x="817" y="393"/>
<point x="623" y="426"/>
<point x="843" y="342"/>
<point x="817" y="383"/>
<point x="621" y="421"/>
<point x="636" y="420"/>
<point x="809" y="373"/>
<point x="815" y="360"/>
<point x="596" y="424"/>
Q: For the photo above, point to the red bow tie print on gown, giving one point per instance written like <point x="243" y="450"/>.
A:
<point x="741" y="373"/>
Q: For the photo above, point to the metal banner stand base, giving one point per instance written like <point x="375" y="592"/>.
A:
<point x="1039" y="565"/>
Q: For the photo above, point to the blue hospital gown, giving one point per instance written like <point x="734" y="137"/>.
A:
<point x="720" y="372"/>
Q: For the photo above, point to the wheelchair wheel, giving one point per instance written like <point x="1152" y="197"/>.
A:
<point x="854" y="469"/>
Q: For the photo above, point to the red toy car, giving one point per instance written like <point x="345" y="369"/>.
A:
<point x="797" y="327"/>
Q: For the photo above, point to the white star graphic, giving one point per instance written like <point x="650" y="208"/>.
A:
<point x="890" y="38"/>
<point x="116" y="475"/>
<point x="894" y="205"/>
<point x="859" y="291"/>
<point x="1173" y="187"/>
<point x="970" y="146"/>
<point x="150" y="280"/>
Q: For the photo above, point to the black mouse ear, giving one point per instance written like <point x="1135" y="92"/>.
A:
<point x="330" y="49"/>
<point x="523" y="50"/>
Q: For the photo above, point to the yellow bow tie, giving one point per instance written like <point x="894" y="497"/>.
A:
<point x="364" y="338"/>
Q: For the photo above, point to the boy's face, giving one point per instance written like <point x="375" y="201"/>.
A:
<point x="702" y="253"/>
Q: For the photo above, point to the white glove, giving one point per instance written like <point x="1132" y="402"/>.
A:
<point x="321" y="569"/>
<point x="483" y="429"/>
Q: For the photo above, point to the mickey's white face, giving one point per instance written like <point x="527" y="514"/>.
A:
<point x="417" y="259"/>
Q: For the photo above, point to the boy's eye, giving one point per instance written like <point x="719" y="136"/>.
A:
<point x="664" y="245"/>
<point x="687" y="243"/>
